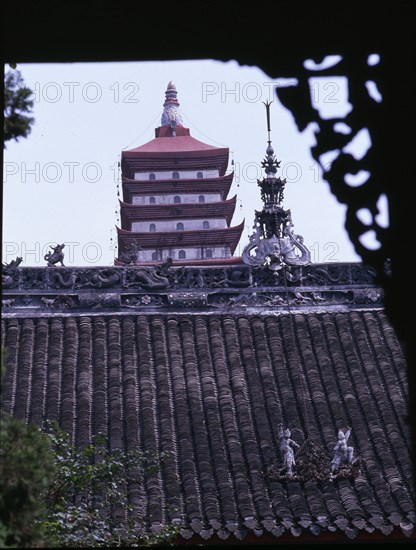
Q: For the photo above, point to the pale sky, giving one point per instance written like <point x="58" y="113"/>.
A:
<point x="60" y="184"/>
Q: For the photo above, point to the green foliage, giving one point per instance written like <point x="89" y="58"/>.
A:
<point x="52" y="494"/>
<point x="26" y="470"/>
<point x="17" y="105"/>
<point x="88" y="503"/>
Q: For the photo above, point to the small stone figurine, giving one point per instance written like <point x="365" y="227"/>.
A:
<point x="342" y="453"/>
<point x="56" y="256"/>
<point x="130" y="254"/>
<point x="13" y="264"/>
<point x="286" y="446"/>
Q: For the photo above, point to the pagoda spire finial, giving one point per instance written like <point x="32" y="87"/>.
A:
<point x="270" y="164"/>
<point x="273" y="242"/>
<point x="171" y="114"/>
<point x="267" y="104"/>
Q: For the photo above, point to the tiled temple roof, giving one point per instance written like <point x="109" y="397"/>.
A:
<point x="212" y="389"/>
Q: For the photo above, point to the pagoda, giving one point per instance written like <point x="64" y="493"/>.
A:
<point x="175" y="203"/>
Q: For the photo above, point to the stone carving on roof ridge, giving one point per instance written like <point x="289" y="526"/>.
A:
<point x="240" y="286"/>
<point x="147" y="277"/>
<point x="55" y="257"/>
<point x="144" y="300"/>
<point x="9" y="273"/>
<point x="239" y="276"/>
<point x="64" y="278"/>
<point x="130" y="254"/>
<point x="102" y="278"/>
<point x="13" y="264"/>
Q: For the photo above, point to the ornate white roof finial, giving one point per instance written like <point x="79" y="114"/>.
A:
<point x="274" y="243"/>
<point x="171" y="114"/>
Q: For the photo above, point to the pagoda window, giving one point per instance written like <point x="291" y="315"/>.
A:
<point x="152" y="176"/>
<point x="199" y="175"/>
<point x="201" y="198"/>
<point x="152" y="227"/>
<point x="175" y="175"/>
<point x="179" y="226"/>
<point x="152" y="200"/>
<point x="208" y="253"/>
<point x="205" y="224"/>
<point x="182" y="254"/>
<point x="154" y="255"/>
<point x="176" y="199"/>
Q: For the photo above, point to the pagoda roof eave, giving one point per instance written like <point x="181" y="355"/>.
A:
<point x="222" y="209"/>
<point x="219" y="185"/>
<point x="198" y="153"/>
<point x="174" y="145"/>
<point x="229" y="236"/>
<point x="225" y="177"/>
<point x="173" y="161"/>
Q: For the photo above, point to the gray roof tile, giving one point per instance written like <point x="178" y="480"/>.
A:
<point x="211" y="390"/>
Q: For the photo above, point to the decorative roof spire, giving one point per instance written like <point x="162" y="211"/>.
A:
<point x="171" y="114"/>
<point x="273" y="241"/>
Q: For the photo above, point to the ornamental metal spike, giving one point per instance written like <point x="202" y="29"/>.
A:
<point x="273" y="243"/>
<point x="267" y="104"/>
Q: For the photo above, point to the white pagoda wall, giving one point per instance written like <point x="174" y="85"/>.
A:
<point x="185" y="198"/>
<point x="191" y="253"/>
<point x="183" y="174"/>
<point x="170" y="225"/>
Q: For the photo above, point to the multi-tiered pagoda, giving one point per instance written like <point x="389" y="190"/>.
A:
<point x="175" y="198"/>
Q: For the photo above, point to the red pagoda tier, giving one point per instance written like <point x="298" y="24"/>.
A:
<point x="175" y="198"/>
<point x="135" y="215"/>
<point x="220" y="186"/>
